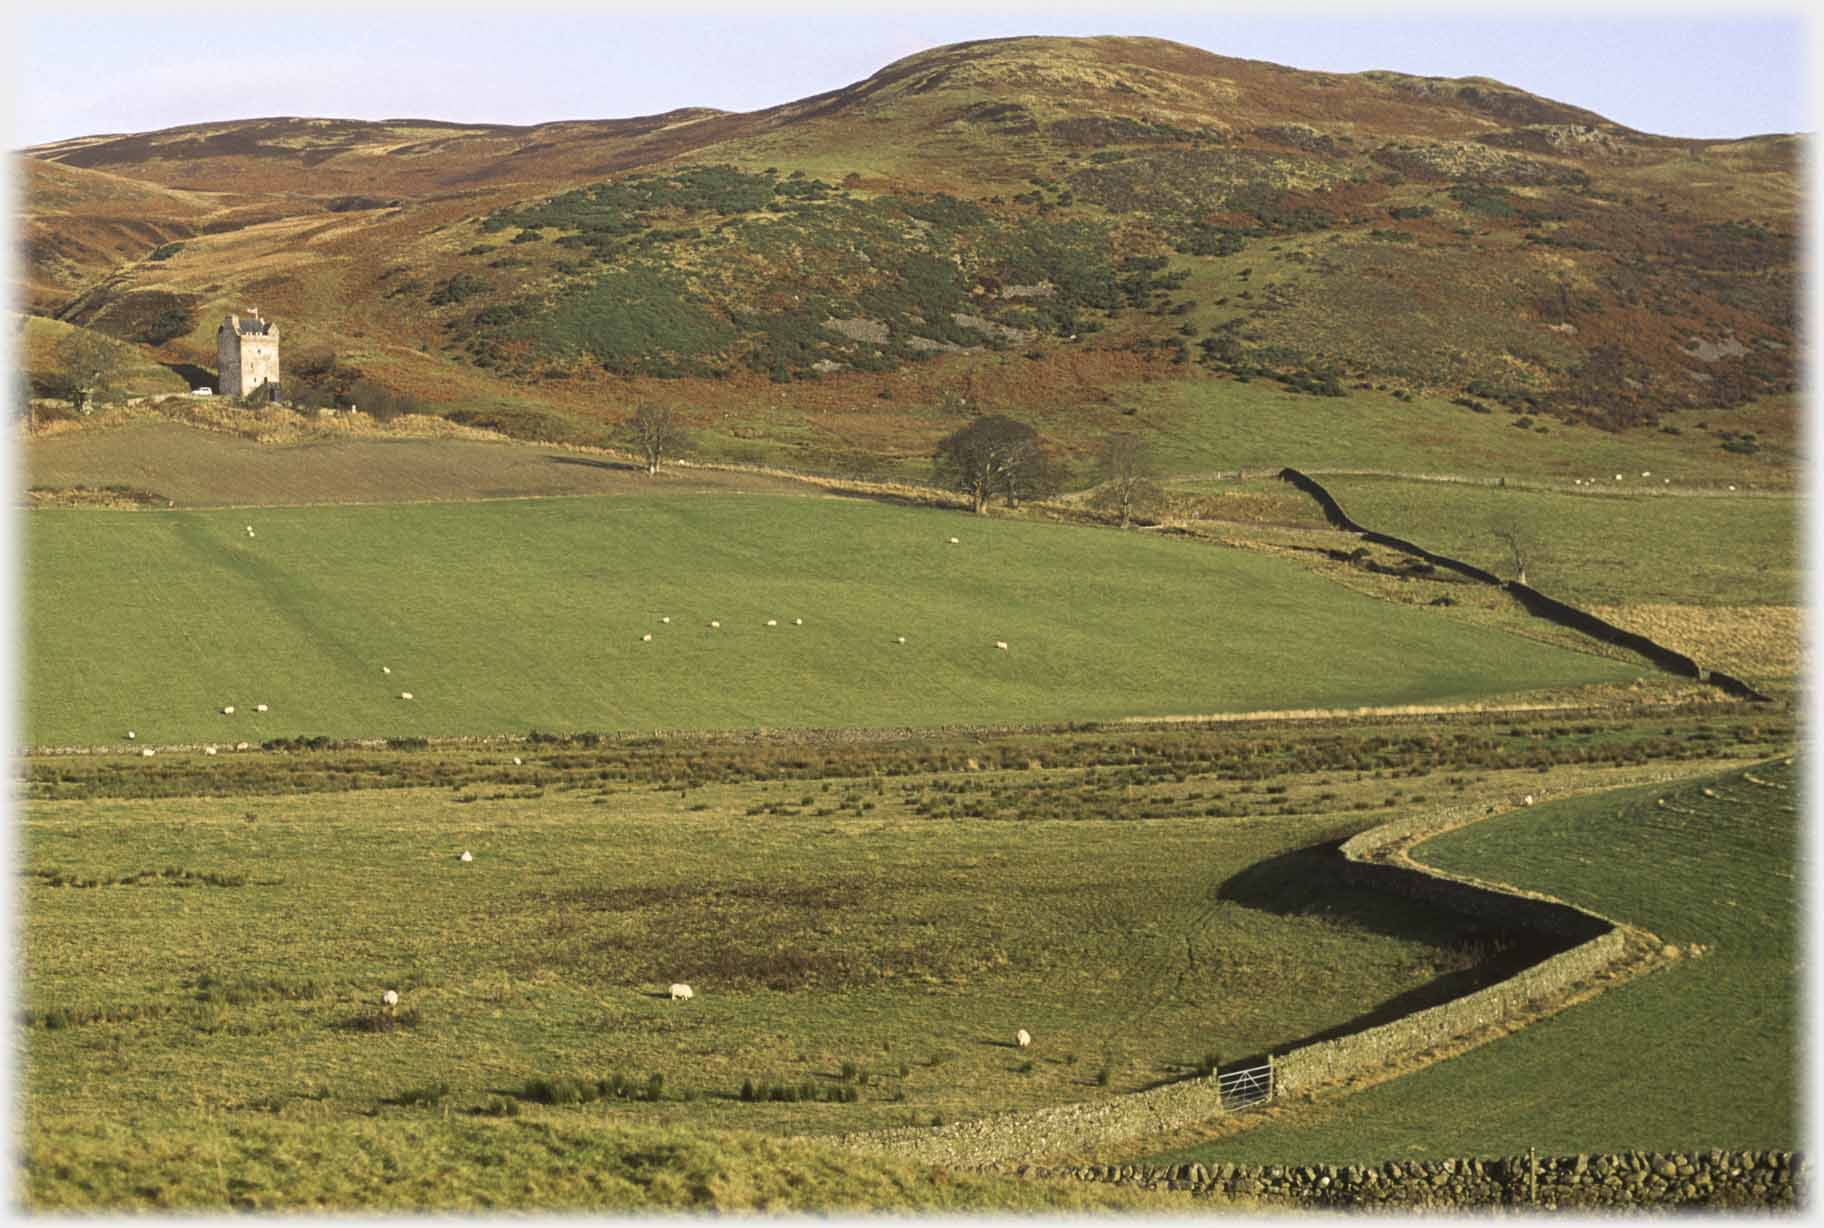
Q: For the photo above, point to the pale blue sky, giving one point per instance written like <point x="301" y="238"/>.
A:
<point x="82" y="69"/>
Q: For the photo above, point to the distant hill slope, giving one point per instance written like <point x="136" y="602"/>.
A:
<point x="1061" y="217"/>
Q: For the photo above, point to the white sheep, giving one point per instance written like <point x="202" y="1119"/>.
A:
<point x="715" y="623"/>
<point x="665" y="619"/>
<point x="466" y="856"/>
<point x="515" y="760"/>
<point x="680" y="992"/>
<point x="1618" y="477"/>
<point x="797" y="622"/>
<point x="1001" y="644"/>
<point x="240" y="746"/>
<point x="259" y="708"/>
<point x="131" y="735"/>
<point x="1529" y="799"/>
<point x="228" y="711"/>
<point x="956" y="541"/>
<point x="1646" y="473"/>
<point x="385" y="669"/>
<point x="405" y="695"/>
<point x="772" y="622"/>
<point x="146" y="751"/>
<point x="1732" y="488"/>
<point x="647" y="638"/>
<point x="208" y="750"/>
<point x="900" y="640"/>
<point x="390" y="999"/>
<point x="1022" y="1038"/>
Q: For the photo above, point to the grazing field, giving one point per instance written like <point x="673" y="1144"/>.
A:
<point x="200" y="1003"/>
<point x="200" y="468"/>
<point x="1600" y="549"/>
<point x="513" y="616"/>
<point x="1702" y="1054"/>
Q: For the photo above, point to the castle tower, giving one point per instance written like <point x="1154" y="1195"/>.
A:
<point x="247" y="355"/>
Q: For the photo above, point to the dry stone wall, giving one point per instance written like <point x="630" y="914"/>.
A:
<point x="1610" y="1182"/>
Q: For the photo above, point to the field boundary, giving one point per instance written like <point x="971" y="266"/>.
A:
<point x="1531" y="599"/>
<point x="1608" y="954"/>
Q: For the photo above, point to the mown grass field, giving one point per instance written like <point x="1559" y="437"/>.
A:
<point x="513" y="616"/>
<point x="200" y="974"/>
<point x="1704" y="1053"/>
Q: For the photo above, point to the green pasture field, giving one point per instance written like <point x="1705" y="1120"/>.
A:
<point x="512" y="616"/>
<point x="1704" y="1053"/>
<point x="1204" y="425"/>
<point x="1599" y="549"/>
<point x="201" y="977"/>
<point x="197" y="468"/>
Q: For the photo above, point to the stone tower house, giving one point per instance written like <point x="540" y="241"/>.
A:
<point x="247" y="355"/>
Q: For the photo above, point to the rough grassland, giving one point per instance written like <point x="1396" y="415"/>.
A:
<point x="1702" y="1054"/>
<point x="507" y="617"/>
<point x="202" y="976"/>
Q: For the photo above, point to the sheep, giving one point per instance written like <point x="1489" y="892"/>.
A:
<point x="1001" y="644"/>
<point x="647" y="638"/>
<point x="680" y="992"/>
<point x="131" y="735"/>
<point x="405" y="695"/>
<point x="240" y="745"/>
<point x="1732" y="488"/>
<point x="515" y="760"/>
<point x="260" y="708"/>
<point x="1529" y="799"/>
<point x="1618" y="477"/>
<point x="385" y="669"/>
<point x="1022" y="1038"/>
<point x="1646" y="473"/>
<point x="228" y="711"/>
<point x="146" y="751"/>
<point x="900" y="640"/>
<point x="797" y="622"/>
<point x="665" y="619"/>
<point x="389" y="1000"/>
<point x="208" y="750"/>
<point x="715" y="624"/>
<point x="466" y="856"/>
<point x="956" y="541"/>
<point x="772" y="622"/>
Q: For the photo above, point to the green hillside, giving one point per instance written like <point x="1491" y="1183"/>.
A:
<point x="512" y="616"/>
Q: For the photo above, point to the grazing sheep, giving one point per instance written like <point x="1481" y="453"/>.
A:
<point x="1529" y="799"/>
<point x="405" y="695"/>
<point x="647" y="638"/>
<point x="385" y="670"/>
<point x="131" y="735"/>
<point x="259" y="707"/>
<point x="772" y="622"/>
<point x="228" y="711"/>
<point x="715" y="623"/>
<point x="1732" y="488"/>
<point x="666" y="619"/>
<point x="956" y="541"/>
<point x="466" y="856"/>
<point x="900" y="640"/>
<point x="680" y="992"/>
<point x="515" y="760"/>
<point x="1618" y="477"/>
<point x="1022" y="1038"/>
<point x="240" y="746"/>
<point x="1646" y="473"/>
<point x="145" y="751"/>
<point x="208" y="750"/>
<point x="797" y="622"/>
<point x="390" y="999"/>
<point x="1001" y="644"/>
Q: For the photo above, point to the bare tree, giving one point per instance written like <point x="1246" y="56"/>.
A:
<point x="88" y="364"/>
<point x="1128" y="474"/>
<point x="994" y="455"/>
<point x="1521" y="543"/>
<point x="656" y="432"/>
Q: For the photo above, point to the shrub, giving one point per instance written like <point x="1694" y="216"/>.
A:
<point x="430" y="1094"/>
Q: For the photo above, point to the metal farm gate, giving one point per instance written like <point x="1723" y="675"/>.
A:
<point x="1240" y="1088"/>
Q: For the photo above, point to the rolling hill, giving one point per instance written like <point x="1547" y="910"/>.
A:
<point x="1040" y="224"/>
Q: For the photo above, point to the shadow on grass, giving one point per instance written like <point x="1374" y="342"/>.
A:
<point x="1311" y="882"/>
<point x="593" y="463"/>
<point x="195" y="376"/>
